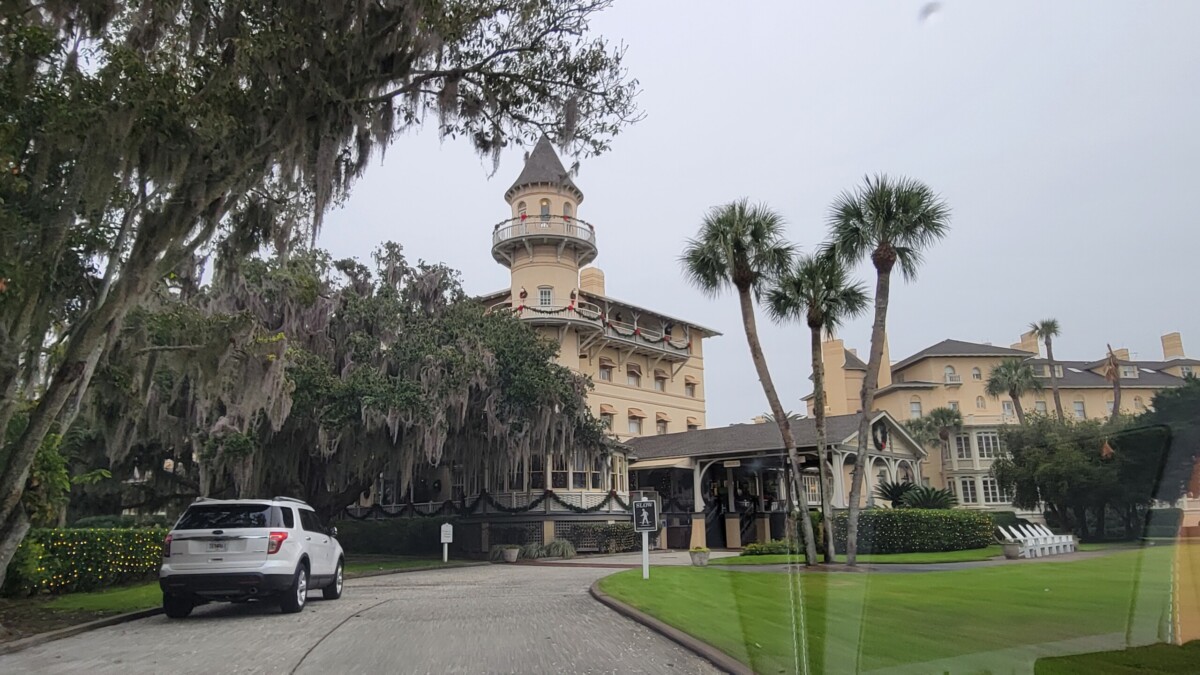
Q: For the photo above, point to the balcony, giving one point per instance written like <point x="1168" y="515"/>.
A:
<point x="604" y="331"/>
<point x="562" y="231"/>
<point x="953" y="380"/>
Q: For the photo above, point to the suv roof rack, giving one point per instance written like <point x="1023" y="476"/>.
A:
<point x="291" y="499"/>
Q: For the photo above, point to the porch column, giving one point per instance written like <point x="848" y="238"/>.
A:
<point x="892" y="467"/>
<point x="699" y="538"/>
<point x="869" y="479"/>
<point x="838" y="462"/>
<point x="733" y="519"/>
<point x="762" y="520"/>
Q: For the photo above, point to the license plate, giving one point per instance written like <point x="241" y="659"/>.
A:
<point x="216" y="547"/>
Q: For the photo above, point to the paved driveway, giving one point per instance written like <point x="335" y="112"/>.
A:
<point x="489" y="619"/>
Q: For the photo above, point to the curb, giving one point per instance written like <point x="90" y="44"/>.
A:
<point x="69" y="631"/>
<point x="700" y="648"/>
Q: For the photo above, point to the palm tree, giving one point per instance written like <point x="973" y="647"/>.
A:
<point x="741" y="246"/>
<point x="925" y="497"/>
<point x="818" y="291"/>
<point x="889" y="222"/>
<point x="1112" y="373"/>
<point x="1046" y="330"/>
<point x="1015" y="378"/>
<point x="945" y="421"/>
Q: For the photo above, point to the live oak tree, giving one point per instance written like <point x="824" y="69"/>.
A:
<point x="135" y="133"/>
<point x="301" y="375"/>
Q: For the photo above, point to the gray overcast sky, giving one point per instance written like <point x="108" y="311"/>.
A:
<point x="1064" y="136"/>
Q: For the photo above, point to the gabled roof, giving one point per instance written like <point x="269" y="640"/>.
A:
<point x="1079" y="374"/>
<point x="853" y="362"/>
<point x="543" y="166"/>
<point x="960" y="348"/>
<point x="743" y="438"/>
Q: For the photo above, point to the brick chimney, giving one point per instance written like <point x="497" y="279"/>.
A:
<point x="1121" y="353"/>
<point x="591" y="280"/>
<point x="1172" y="344"/>
<point x="1029" y="343"/>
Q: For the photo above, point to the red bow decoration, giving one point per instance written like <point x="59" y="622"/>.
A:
<point x="523" y="216"/>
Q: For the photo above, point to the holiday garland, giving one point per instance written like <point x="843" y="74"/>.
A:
<point x="449" y="507"/>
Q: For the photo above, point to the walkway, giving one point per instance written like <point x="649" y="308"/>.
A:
<point x="916" y="568"/>
<point x="494" y="619"/>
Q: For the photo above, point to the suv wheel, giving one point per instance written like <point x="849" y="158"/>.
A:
<point x="334" y="590"/>
<point x="294" y="598"/>
<point x="176" y="607"/>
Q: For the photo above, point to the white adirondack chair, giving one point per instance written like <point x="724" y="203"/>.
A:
<point x="1046" y="545"/>
<point x="1028" y="550"/>
<point x="1066" y="540"/>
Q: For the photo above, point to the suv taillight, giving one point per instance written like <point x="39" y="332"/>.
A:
<point x="275" y="541"/>
<point x="167" y="547"/>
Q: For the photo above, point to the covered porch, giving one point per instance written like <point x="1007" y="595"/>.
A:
<point x="726" y="487"/>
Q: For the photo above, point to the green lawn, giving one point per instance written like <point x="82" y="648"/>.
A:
<point x="867" y="621"/>
<point x="1150" y="660"/>
<point x="110" y="601"/>
<point x="880" y="558"/>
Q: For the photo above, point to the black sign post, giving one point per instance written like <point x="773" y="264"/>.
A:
<point x="645" y="520"/>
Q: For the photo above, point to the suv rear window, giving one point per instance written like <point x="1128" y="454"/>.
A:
<point x="229" y="516"/>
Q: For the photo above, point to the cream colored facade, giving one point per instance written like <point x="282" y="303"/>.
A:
<point x="954" y="374"/>
<point x="647" y="366"/>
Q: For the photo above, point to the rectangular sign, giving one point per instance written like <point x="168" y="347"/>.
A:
<point x="447" y="534"/>
<point x="645" y="516"/>
<point x="731" y="463"/>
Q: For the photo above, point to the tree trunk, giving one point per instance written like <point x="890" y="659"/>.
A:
<point x="1016" y="400"/>
<point x="1116" y="411"/>
<point x="1101" y="521"/>
<point x="1081" y="522"/>
<point x="781" y="418"/>
<point x="1054" y="379"/>
<point x="818" y="371"/>
<point x="883" y="280"/>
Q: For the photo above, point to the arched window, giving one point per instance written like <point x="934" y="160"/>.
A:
<point x="976" y="374"/>
<point x="950" y="375"/>
<point x="980" y="403"/>
<point x="545" y="209"/>
<point x="566" y="210"/>
<point x="914" y="407"/>
<point x="521" y="210"/>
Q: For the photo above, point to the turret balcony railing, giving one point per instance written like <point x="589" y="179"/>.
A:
<point x="559" y="310"/>
<point x="543" y="226"/>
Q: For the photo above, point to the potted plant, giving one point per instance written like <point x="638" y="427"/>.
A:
<point x="511" y="552"/>
<point x="699" y="556"/>
<point x="1012" y="549"/>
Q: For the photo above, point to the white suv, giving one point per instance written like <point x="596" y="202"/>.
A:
<point x="249" y="548"/>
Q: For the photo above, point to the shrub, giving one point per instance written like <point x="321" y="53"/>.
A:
<point x="559" y="548"/>
<point x="925" y="497"/>
<point x="893" y="491"/>
<point x="1163" y="522"/>
<point x="122" y="522"/>
<point x="775" y="547"/>
<point x="396" y="536"/>
<point x="532" y="551"/>
<point x="496" y="553"/>
<point x="84" y="559"/>
<point x="916" y="530"/>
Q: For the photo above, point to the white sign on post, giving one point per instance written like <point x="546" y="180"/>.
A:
<point x="645" y="520"/>
<point x="447" y="539"/>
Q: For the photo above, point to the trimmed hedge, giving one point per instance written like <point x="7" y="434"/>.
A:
<point x="396" y="536"/>
<point x="615" y="538"/>
<point x="119" y="522"/>
<point x="916" y="530"/>
<point x="67" y="560"/>
<point x="773" y="547"/>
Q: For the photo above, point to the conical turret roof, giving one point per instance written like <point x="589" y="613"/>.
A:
<point x="544" y="167"/>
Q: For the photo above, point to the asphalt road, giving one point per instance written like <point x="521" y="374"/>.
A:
<point x="489" y="619"/>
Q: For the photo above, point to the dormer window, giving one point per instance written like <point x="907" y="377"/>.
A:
<point x="1129" y="372"/>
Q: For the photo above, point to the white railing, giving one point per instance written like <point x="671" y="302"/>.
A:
<point x="953" y="379"/>
<point x="644" y="336"/>
<point x="531" y="308"/>
<point x="536" y="226"/>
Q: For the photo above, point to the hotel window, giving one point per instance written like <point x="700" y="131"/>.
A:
<point x="521" y="210"/>
<point x="606" y="373"/>
<point x="991" y="491"/>
<point x="1138" y="404"/>
<point x="950" y="375"/>
<point x="1080" y="411"/>
<point x="606" y="420"/>
<point x="618" y="474"/>
<point x="968" y="491"/>
<point x="980" y="403"/>
<point x="537" y="478"/>
<point x="693" y="427"/>
<point x="976" y="374"/>
<point x="953" y="405"/>
<point x="660" y="427"/>
<point x="458" y="480"/>
<point x="914" y="407"/>
<point x="558" y="476"/>
<point x="566" y="210"/>
<point x="962" y="445"/>
<point x="633" y="376"/>
<point x="945" y="453"/>
<point x="689" y="389"/>
<point x="597" y="474"/>
<point x="635" y="425"/>
<point x="545" y="296"/>
<point x="1129" y="372"/>
<point x="1039" y="407"/>
<point x="1007" y="408"/>
<point x="1185" y="371"/>
<point x="545" y="209"/>
<point x="989" y="444"/>
<point x="660" y="382"/>
<point x="579" y="473"/>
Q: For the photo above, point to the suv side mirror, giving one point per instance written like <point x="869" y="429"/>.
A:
<point x="333" y="530"/>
